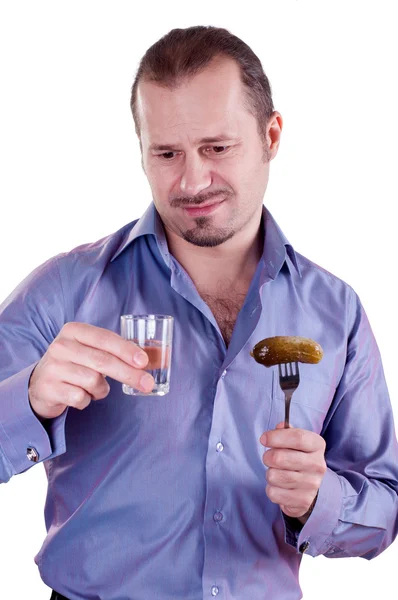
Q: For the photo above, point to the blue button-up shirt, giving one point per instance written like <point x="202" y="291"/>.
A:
<point x="164" y="497"/>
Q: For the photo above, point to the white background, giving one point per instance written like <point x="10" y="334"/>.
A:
<point x="70" y="174"/>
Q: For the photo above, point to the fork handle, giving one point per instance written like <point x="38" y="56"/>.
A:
<point x="288" y="398"/>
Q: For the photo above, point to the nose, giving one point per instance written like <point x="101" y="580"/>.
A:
<point x="196" y="176"/>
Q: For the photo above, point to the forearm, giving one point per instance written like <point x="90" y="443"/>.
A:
<point x="369" y="518"/>
<point x="350" y="518"/>
<point x="21" y="429"/>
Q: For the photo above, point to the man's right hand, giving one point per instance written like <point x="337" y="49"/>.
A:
<point x="72" y="372"/>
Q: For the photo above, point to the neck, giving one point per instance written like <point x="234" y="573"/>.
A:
<point x="233" y="262"/>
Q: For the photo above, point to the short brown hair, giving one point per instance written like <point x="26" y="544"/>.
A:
<point x="182" y="53"/>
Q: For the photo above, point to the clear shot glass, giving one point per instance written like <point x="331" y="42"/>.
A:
<point x="154" y="334"/>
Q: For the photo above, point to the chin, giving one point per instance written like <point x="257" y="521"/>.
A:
<point x="207" y="239"/>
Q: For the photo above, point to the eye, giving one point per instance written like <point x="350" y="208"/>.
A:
<point x="167" y="155"/>
<point x="219" y="149"/>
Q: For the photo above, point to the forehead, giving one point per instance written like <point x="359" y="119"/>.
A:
<point x="212" y="99"/>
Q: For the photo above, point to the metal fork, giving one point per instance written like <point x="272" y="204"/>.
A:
<point x="289" y="379"/>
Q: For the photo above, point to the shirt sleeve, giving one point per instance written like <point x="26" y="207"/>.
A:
<point x="356" y="512"/>
<point x="30" y="319"/>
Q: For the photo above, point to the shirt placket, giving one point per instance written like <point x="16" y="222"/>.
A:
<point x="216" y="513"/>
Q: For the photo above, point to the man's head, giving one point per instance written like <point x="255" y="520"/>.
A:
<point x="204" y="116"/>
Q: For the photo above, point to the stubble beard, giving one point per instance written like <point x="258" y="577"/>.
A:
<point x="206" y="236"/>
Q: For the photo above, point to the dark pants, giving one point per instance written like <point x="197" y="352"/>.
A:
<point x="56" y="596"/>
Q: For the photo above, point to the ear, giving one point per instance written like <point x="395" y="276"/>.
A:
<point x="274" y="132"/>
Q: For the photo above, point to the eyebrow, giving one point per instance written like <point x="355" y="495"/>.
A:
<point x="206" y="140"/>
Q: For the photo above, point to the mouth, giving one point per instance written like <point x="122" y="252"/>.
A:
<point x="203" y="209"/>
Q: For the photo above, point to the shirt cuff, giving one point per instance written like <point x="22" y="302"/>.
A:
<point x="22" y="435"/>
<point x="312" y="537"/>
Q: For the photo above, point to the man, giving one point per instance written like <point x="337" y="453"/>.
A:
<point x="202" y="493"/>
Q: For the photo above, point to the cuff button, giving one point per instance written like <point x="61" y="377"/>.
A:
<point x="32" y="454"/>
<point x="304" y="546"/>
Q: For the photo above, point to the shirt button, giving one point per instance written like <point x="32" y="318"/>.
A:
<point x="32" y="454"/>
<point x="220" y="447"/>
<point x="218" y="516"/>
<point x="224" y="374"/>
<point x="214" y="590"/>
<point x="304" y="546"/>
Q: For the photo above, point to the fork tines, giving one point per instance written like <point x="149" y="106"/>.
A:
<point x="288" y="369"/>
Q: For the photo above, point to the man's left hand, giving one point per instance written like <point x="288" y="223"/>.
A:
<point x="296" y="466"/>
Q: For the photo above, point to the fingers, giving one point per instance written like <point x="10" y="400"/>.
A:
<point x="54" y="399"/>
<point x="293" y="438"/>
<point x="291" y="480"/>
<point x="72" y="372"/>
<point x="66" y="350"/>
<point x="296" y="466"/>
<point x="71" y="395"/>
<point x="293" y="460"/>
<point x="301" y="499"/>
<point x="105" y="341"/>
<point x="89" y="380"/>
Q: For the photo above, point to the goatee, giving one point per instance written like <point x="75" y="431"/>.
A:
<point x="205" y="236"/>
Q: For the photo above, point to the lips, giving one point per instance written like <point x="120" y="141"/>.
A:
<point x="202" y="209"/>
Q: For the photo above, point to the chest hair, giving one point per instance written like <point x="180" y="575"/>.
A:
<point x="225" y="309"/>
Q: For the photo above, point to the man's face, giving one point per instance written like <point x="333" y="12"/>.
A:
<point x="203" y="155"/>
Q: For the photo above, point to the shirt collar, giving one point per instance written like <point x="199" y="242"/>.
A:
<point x="277" y="248"/>
<point x="147" y="224"/>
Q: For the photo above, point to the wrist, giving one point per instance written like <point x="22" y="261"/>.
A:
<point x="304" y="518"/>
<point x="41" y="419"/>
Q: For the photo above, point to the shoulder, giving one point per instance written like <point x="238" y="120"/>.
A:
<point x="320" y="286"/>
<point x="97" y="254"/>
<point x="69" y="274"/>
<point x="311" y="271"/>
